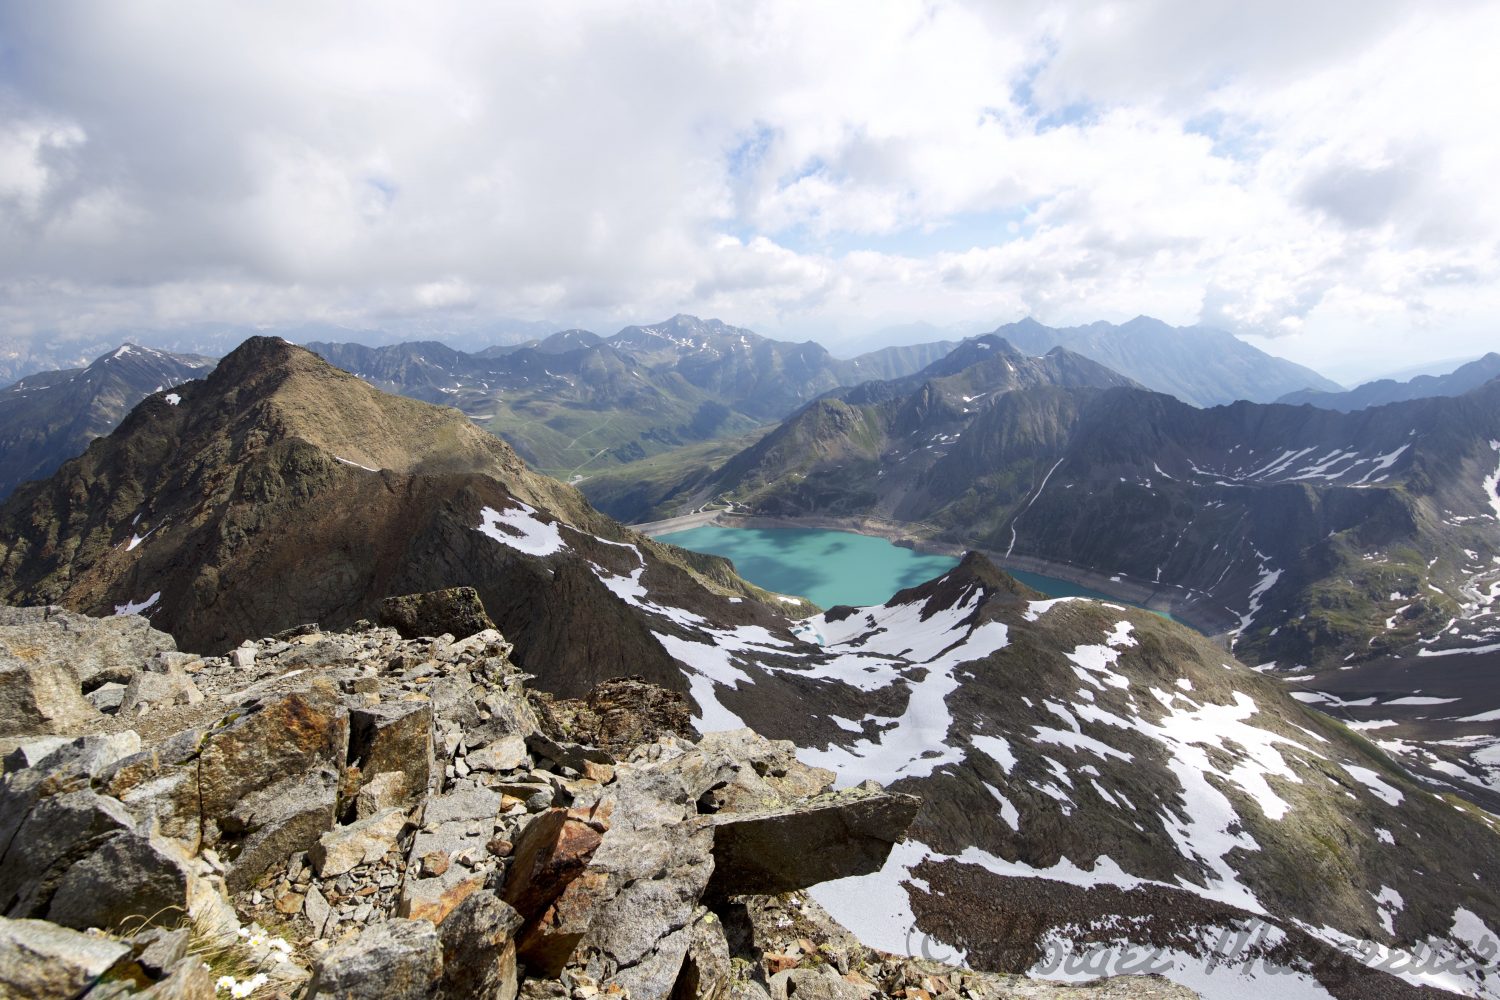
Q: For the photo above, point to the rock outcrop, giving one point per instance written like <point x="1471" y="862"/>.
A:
<point x="397" y="811"/>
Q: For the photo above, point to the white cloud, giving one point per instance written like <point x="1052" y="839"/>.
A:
<point x="1302" y="172"/>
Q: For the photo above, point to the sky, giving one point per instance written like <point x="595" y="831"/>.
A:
<point x="1318" y="178"/>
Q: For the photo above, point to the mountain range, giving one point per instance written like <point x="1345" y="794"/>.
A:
<point x="575" y="403"/>
<point x="48" y="418"/>
<point x="1198" y="365"/>
<point x="1090" y="775"/>
<point x="1381" y="391"/>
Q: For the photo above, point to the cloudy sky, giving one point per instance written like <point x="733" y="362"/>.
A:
<point x="1317" y="176"/>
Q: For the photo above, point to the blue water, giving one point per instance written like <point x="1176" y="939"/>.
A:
<point x="837" y="567"/>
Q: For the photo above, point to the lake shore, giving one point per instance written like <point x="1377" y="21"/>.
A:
<point x="1190" y="610"/>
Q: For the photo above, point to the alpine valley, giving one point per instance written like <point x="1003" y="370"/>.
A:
<point x="554" y="768"/>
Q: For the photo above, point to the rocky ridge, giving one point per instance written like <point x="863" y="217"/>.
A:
<point x="361" y="815"/>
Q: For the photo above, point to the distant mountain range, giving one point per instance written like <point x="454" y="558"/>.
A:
<point x="47" y="418"/>
<point x="576" y="403"/>
<point x="1088" y="774"/>
<point x="1461" y="380"/>
<point x="1198" y="365"/>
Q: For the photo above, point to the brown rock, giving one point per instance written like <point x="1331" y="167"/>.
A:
<point x="552" y="850"/>
<point x="286" y="735"/>
<point x="434" y="863"/>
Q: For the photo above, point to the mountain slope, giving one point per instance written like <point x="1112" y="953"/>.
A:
<point x="48" y="418"/>
<point x="1457" y="382"/>
<point x="1098" y="776"/>
<point x="1317" y="537"/>
<point x="1196" y="364"/>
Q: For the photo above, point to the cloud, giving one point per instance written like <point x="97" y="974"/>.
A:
<point x="1284" y="170"/>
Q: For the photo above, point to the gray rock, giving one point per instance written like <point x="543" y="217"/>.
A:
<point x="285" y="736"/>
<point x="479" y="949"/>
<point x="811" y="984"/>
<point x="188" y="980"/>
<point x="158" y="949"/>
<point x="384" y="791"/>
<point x="38" y="697"/>
<point x="95" y="649"/>
<point x="242" y="658"/>
<point x="394" y="737"/>
<point x="33" y="752"/>
<point x="395" y="960"/>
<point x="707" y="972"/>
<point x="827" y="837"/>
<point x="273" y="823"/>
<point x="59" y="831"/>
<point x="168" y="686"/>
<point x="316" y="909"/>
<point x="42" y="961"/>
<point x="505" y="754"/>
<point x="128" y="875"/>
<point x="107" y="697"/>
<point x="345" y="847"/>
<point x="645" y="882"/>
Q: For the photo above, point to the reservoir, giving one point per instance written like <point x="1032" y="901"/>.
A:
<point x="837" y="567"/>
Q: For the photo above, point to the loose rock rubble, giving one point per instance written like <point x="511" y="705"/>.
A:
<point x="361" y="815"/>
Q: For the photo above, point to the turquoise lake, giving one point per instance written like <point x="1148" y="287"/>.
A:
<point x="837" y="567"/>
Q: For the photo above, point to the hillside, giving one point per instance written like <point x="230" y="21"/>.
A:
<point x="1198" y="365"/>
<point x="1463" y="379"/>
<point x="48" y="418"/>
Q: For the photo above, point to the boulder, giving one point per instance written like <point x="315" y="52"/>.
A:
<point x="42" y="961"/>
<point x="130" y="874"/>
<point x="270" y="825"/>
<point x="707" y="971"/>
<point x="508" y="753"/>
<point x="40" y="696"/>
<point x="268" y="741"/>
<point x="96" y="650"/>
<point x="457" y="611"/>
<point x="814" y="984"/>
<point x="383" y="791"/>
<point x="479" y="949"/>
<point x="188" y="980"/>
<point x="344" y="848"/>
<point x="618" y="715"/>
<point x="552" y="850"/>
<point x="59" y="831"/>
<point x="394" y="737"/>
<point x="394" y="960"/>
<point x="831" y="836"/>
<point x="637" y="900"/>
<point x="162" y="684"/>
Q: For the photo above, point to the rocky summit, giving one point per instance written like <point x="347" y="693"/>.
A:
<point x="358" y="814"/>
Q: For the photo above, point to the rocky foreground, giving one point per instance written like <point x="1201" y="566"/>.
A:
<point x="364" y="814"/>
